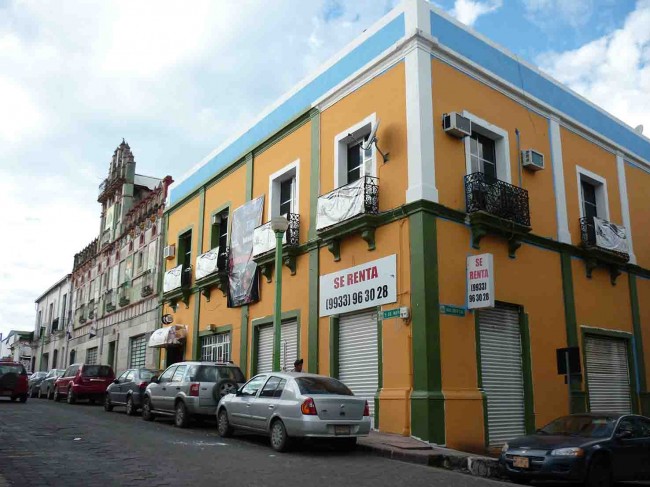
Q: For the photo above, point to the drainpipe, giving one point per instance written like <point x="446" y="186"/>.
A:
<point x="519" y="157"/>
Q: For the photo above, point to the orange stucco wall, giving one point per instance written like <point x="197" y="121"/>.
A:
<point x="643" y="290"/>
<point x="638" y="196"/>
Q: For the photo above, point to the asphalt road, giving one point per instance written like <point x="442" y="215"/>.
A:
<point x="47" y="443"/>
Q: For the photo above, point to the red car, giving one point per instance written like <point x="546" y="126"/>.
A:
<point x="13" y="381"/>
<point x="83" y="381"/>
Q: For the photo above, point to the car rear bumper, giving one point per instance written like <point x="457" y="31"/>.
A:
<point x="89" y="390"/>
<point x="314" y="427"/>
<point x="546" y="468"/>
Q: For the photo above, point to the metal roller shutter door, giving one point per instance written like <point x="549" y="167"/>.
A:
<point x="265" y="349"/>
<point x="288" y="345"/>
<point x="358" y="355"/>
<point x="502" y="373"/>
<point x="608" y="377"/>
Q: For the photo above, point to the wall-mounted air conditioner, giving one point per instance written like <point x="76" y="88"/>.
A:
<point x="455" y="124"/>
<point x="169" y="252"/>
<point x="532" y="160"/>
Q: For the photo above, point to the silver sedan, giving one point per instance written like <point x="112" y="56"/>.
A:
<point x="295" y="405"/>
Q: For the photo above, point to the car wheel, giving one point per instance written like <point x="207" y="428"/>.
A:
<point x="223" y="424"/>
<point x="108" y="407"/>
<point x="279" y="438"/>
<point x="32" y="393"/>
<point x="147" y="414"/>
<point x="71" y="398"/>
<point x="39" y="395"/>
<point x="50" y="394"/>
<point x="23" y="398"/>
<point x="181" y="418"/>
<point x="130" y="407"/>
<point x="223" y="388"/>
<point x="599" y="473"/>
<point x="56" y="396"/>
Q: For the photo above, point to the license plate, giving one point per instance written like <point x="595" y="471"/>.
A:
<point x="521" y="462"/>
<point x="341" y="430"/>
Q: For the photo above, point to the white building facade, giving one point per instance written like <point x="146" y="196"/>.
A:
<point x="53" y="316"/>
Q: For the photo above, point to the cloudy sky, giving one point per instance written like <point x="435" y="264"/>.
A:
<point x="176" y="78"/>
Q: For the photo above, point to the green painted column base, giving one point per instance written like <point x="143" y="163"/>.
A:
<point x="644" y="399"/>
<point x="578" y="402"/>
<point x="428" y="416"/>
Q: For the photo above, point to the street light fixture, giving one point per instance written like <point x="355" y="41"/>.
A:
<point x="279" y="225"/>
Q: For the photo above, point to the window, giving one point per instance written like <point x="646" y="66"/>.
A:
<point x="487" y="150"/>
<point x="589" y="205"/>
<point x="139" y="260"/>
<point x="45" y="361"/>
<point x="284" y="190"/>
<point x="219" y="233"/>
<point x="50" y="313"/>
<point x="55" y="358"/>
<point x="253" y="386"/>
<point x="185" y="250"/>
<point x="592" y="192"/>
<point x="137" y="351"/>
<point x="167" y="374"/>
<point x="96" y="371"/>
<point x="215" y="348"/>
<point x="73" y="355"/>
<point x="322" y="385"/>
<point x="129" y="377"/>
<point x="351" y="161"/>
<point x="483" y="155"/>
<point x="269" y="388"/>
<point x="63" y="306"/>
<point x="180" y="372"/>
<point x="122" y="377"/>
<point x="91" y="356"/>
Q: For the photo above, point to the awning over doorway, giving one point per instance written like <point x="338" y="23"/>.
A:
<point x="168" y="336"/>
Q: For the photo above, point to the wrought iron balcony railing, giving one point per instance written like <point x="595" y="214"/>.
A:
<point x="485" y="193"/>
<point x="600" y="234"/>
<point x="361" y="196"/>
<point x="264" y="236"/>
<point x="223" y="260"/>
<point x="186" y="277"/>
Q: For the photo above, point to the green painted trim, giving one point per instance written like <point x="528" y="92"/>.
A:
<point x="380" y="365"/>
<point x="638" y="336"/>
<point x="189" y="229"/>
<point x="313" y="321"/>
<point x="216" y="331"/>
<point x="427" y="399"/>
<point x="527" y="369"/>
<point x="266" y="321"/>
<point x="197" y="296"/>
<point x="225" y="206"/>
<point x="334" y="346"/>
<point x="479" y="377"/>
<point x="249" y="176"/>
<point x="196" y="353"/>
<point x="243" y="343"/>
<point x="587" y="331"/>
<point x="569" y="301"/>
<point x="314" y="172"/>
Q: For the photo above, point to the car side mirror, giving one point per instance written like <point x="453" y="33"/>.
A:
<point x="154" y="380"/>
<point x="238" y="392"/>
<point x="116" y="381"/>
<point x="624" y="435"/>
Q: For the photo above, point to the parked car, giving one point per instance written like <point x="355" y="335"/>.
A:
<point x="594" y="448"/>
<point x="83" y="381"/>
<point x="34" y="381"/>
<point x="46" y="387"/>
<point x="295" y="405"/>
<point x="189" y="389"/>
<point x="13" y="381"/>
<point x="128" y="389"/>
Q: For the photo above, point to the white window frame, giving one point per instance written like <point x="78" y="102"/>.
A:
<point x="214" y="344"/>
<point x="341" y="143"/>
<point x="289" y="171"/>
<point x="132" y="342"/>
<point x="602" y="200"/>
<point x="501" y="146"/>
<point x="94" y="350"/>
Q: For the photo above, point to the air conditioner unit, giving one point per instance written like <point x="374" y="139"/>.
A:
<point x="455" y="124"/>
<point x="532" y="159"/>
<point x="169" y="252"/>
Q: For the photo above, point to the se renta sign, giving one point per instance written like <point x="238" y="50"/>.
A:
<point x="480" y="281"/>
<point x="359" y="287"/>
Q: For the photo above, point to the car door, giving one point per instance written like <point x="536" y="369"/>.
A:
<point x="264" y="404"/>
<point x="128" y="384"/>
<point x="175" y="387"/>
<point x="240" y="405"/>
<point x="627" y="447"/>
<point x="644" y="430"/>
<point x="158" y="390"/>
<point x="114" y="388"/>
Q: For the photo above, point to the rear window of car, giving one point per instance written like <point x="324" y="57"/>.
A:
<point x="96" y="371"/>
<point x="148" y="374"/>
<point x="322" y="385"/>
<point x="12" y="368"/>
<point x="232" y="373"/>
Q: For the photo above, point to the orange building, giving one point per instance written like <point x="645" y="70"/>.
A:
<point x="448" y="234"/>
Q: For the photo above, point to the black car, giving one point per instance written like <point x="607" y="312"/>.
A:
<point x="34" y="382"/>
<point x="128" y="389"/>
<point x="595" y="448"/>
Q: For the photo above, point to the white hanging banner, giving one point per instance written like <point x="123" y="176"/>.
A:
<point x="264" y="239"/>
<point x="341" y="204"/>
<point x="172" y="278"/>
<point x="206" y="263"/>
<point x="480" y="281"/>
<point x="610" y="236"/>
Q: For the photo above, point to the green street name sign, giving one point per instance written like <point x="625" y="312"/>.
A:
<point x="390" y="313"/>
<point x="449" y="309"/>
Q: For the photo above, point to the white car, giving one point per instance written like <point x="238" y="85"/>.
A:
<point x="295" y="405"/>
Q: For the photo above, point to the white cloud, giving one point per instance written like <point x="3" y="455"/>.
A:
<point x="612" y="71"/>
<point x="468" y="11"/>
<point x="575" y="13"/>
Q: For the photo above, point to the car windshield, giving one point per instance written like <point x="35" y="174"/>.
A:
<point x="579" y="425"/>
<point x="11" y="368"/>
<point x="322" y="385"/>
<point x="59" y="372"/>
<point x="148" y="374"/>
<point x="96" y="371"/>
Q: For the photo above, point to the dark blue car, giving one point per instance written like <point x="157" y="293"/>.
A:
<point x="595" y="448"/>
<point x="127" y="390"/>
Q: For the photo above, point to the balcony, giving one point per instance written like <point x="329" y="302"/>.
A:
<point x="55" y="325"/>
<point x="605" y="245"/>
<point x="177" y="285"/>
<point x="264" y="243"/>
<point x="109" y="302"/>
<point x="91" y="309"/>
<point x="147" y="284"/>
<point x="496" y="207"/>
<point x="124" y="294"/>
<point x="350" y="209"/>
<point x="102" y="186"/>
<point x="212" y="271"/>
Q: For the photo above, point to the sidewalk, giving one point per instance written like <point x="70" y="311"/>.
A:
<point x="407" y="449"/>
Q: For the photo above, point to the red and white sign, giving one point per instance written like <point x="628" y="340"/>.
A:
<point x="480" y="281"/>
<point x="359" y="287"/>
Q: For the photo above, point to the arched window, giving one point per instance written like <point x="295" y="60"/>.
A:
<point x="55" y="357"/>
<point x="72" y="356"/>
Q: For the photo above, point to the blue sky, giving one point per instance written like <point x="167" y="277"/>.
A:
<point x="175" y="82"/>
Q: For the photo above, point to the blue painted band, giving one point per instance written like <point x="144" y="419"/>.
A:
<point x="495" y="61"/>
<point x="294" y="106"/>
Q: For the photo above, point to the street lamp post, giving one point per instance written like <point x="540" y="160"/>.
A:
<point x="279" y="225"/>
